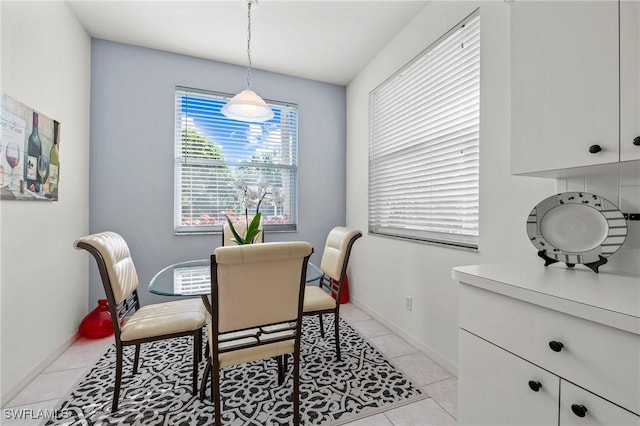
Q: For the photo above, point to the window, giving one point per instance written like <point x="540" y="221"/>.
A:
<point x="424" y="144"/>
<point x="212" y="152"/>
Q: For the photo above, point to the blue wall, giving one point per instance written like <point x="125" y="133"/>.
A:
<point x="132" y="152"/>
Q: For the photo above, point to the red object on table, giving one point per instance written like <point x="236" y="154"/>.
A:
<point x="97" y="323"/>
<point x="344" y="297"/>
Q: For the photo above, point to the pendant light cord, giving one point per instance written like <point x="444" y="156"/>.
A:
<point x="249" y="43"/>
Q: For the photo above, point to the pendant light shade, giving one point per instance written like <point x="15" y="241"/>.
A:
<point x="247" y="105"/>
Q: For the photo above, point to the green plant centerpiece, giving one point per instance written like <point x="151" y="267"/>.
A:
<point x="253" y="198"/>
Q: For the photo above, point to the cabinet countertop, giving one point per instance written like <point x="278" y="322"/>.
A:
<point x="606" y="298"/>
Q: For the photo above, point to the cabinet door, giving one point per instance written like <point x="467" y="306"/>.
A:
<point x="629" y="79"/>
<point x="591" y="410"/>
<point x="493" y="387"/>
<point x="564" y="84"/>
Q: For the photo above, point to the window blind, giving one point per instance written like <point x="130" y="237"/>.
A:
<point x="424" y="143"/>
<point x="212" y="152"/>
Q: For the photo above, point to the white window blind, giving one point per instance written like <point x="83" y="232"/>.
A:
<point x="424" y="144"/>
<point x="212" y="152"/>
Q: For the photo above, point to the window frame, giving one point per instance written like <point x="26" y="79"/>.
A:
<point x="381" y="200"/>
<point x="292" y="198"/>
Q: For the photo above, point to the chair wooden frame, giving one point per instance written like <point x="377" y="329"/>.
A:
<point x="257" y="336"/>
<point x="120" y="312"/>
<point x="334" y="289"/>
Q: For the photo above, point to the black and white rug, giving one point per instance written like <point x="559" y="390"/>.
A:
<point x="331" y="392"/>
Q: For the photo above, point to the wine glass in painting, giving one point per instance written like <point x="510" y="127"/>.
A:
<point x="13" y="159"/>
<point x="43" y="164"/>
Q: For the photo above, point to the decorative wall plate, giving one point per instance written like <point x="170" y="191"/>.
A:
<point x="576" y="228"/>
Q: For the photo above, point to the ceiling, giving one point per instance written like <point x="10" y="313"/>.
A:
<point x="322" y="40"/>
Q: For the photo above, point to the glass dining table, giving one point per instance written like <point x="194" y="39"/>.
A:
<point x="193" y="278"/>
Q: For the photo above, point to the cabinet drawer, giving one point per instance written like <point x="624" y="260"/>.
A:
<point x="596" y="411"/>
<point x="597" y="357"/>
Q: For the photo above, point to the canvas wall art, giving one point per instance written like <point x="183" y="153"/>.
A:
<point x="29" y="153"/>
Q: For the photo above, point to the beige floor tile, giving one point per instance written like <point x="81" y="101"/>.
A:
<point x="47" y="386"/>
<point x="31" y="414"/>
<point x="421" y="369"/>
<point x="424" y="413"/>
<point x="83" y="353"/>
<point x="392" y="346"/>
<point x="351" y="313"/>
<point x="370" y="328"/>
<point x="445" y="393"/>
<point x="377" y="420"/>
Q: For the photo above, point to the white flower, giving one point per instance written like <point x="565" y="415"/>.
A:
<point x="250" y="203"/>
<point x="252" y="194"/>
<point x="240" y="185"/>
<point x="263" y="184"/>
<point x="278" y="200"/>
<point x="276" y="191"/>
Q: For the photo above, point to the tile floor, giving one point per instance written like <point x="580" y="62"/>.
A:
<point x="46" y="391"/>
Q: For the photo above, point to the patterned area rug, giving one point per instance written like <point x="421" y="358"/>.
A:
<point x="331" y="392"/>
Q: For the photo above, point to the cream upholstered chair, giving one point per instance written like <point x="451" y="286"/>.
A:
<point x="323" y="298"/>
<point x="132" y="324"/>
<point x="257" y="293"/>
<point x="240" y="227"/>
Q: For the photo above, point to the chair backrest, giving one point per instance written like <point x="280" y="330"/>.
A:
<point x="258" y="284"/>
<point x="118" y="273"/>
<point x="240" y="227"/>
<point x="337" y="250"/>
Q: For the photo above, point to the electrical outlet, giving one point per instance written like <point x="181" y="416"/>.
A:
<point x="409" y="303"/>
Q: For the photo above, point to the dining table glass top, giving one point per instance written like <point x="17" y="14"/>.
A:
<point x="193" y="278"/>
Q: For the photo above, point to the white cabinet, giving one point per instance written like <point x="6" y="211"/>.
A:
<point x="574" y="84"/>
<point x="573" y="332"/>
<point x="497" y="388"/>
<point x="630" y="80"/>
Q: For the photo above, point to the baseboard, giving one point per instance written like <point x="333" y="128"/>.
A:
<point x="446" y="363"/>
<point x="6" y="397"/>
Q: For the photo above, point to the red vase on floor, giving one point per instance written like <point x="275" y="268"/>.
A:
<point x="344" y="297"/>
<point x="97" y="324"/>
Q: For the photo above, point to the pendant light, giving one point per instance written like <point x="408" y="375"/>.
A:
<point x="247" y="105"/>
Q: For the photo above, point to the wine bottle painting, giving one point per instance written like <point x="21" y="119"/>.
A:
<point x="29" y="153"/>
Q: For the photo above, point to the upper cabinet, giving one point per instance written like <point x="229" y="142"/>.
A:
<point x="568" y="85"/>
<point x="629" y="80"/>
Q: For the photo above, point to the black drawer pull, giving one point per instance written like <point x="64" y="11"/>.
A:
<point x="636" y="141"/>
<point x="579" y="410"/>
<point x="556" y="346"/>
<point x="594" y="149"/>
<point x="535" y="386"/>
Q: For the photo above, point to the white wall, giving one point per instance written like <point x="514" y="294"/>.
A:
<point x="46" y="58"/>
<point x="382" y="270"/>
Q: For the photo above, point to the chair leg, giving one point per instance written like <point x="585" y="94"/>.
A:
<point x="321" y="325"/>
<point x="296" y="388"/>
<point x="197" y="353"/>
<point x="279" y="360"/>
<point x="136" y="360"/>
<point x="116" y="388"/>
<point x="205" y="376"/>
<point x="215" y="378"/>
<point x="336" y="327"/>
